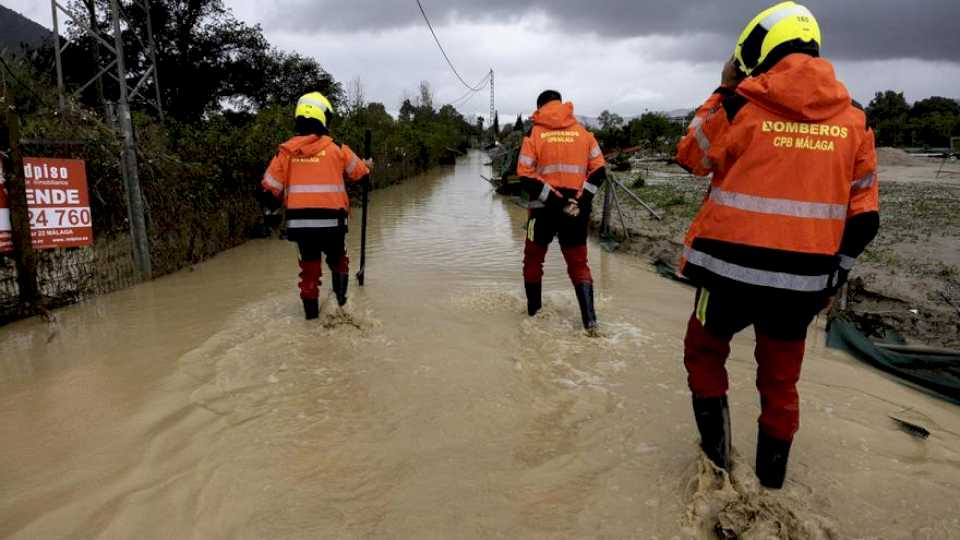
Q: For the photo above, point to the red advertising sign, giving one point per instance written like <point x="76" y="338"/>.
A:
<point x="58" y="201"/>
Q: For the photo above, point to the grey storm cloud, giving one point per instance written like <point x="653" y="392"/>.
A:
<point x="853" y="29"/>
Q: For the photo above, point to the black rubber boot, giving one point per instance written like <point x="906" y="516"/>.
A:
<point x="585" y="299"/>
<point x="340" y="283"/>
<point x="311" y="309"/>
<point x="713" y="421"/>
<point x="772" y="457"/>
<point x="534" y="300"/>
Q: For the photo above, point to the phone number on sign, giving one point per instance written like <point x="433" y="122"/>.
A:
<point x="59" y="218"/>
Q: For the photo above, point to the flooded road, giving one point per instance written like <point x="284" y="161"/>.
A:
<point x="202" y="405"/>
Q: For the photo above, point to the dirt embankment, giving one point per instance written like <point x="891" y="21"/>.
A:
<point x="908" y="279"/>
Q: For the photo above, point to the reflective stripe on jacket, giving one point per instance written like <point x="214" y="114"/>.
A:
<point x="558" y="151"/>
<point x="792" y="160"/>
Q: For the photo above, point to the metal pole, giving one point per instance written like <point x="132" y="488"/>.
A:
<point x="607" y="208"/>
<point x="92" y="9"/>
<point x="135" y="211"/>
<point x="152" y="45"/>
<point x="492" y="109"/>
<point x="61" y="89"/>
<point x="25" y="257"/>
<point x="638" y="199"/>
<point x="367" y="154"/>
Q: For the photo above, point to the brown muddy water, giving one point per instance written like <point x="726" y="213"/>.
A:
<point x="201" y="405"/>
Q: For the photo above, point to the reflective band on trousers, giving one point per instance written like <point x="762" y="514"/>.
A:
<point x="273" y="182"/>
<point x="528" y="161"/>
<point x="847" y="262"/>
<point x="780" y="207"/>
<point x="316" y="188"/>
<point x="315" y="103"/>
<point x="865" y="182"/>
<point x="754" y="276"/>
<point x="777" y="16"/>
<point x="590" y="187"/>
<point x="702" y="140"/>
<point x="312" y="223"/>
<point x="562" y="168"/>
<point x="595" y="152"/>
<point x="352" y="165"/>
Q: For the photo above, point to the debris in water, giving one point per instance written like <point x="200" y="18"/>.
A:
<point x="916" y="430"/>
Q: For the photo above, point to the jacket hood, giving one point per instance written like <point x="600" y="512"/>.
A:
<point x="798" y="87"/>
<point x="306" y="145"/>
<point x="555" y="115"/>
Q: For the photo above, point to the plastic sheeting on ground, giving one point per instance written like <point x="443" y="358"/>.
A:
<point x="937" y="372"/>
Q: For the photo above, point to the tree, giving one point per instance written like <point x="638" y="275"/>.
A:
<point x="887" y="115"/>
<point x="407" y="111"/>
<point x="425" y="97"/>
<point x="356" y="96"/>
<point x="654" y="131"/>
<point x="205" y="57"/>
<point x="934" y="106"/>
<point x="282" y="78"/>
<point x="610" y="120"/>
<point x="518" y="126"/>
<point x="496" y="123"/>
<point x="887" y="105"/>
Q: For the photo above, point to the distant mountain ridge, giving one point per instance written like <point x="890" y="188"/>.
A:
<point x="19" y="32"/>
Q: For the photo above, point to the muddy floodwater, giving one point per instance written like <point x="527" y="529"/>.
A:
<point x="202" y="405"/>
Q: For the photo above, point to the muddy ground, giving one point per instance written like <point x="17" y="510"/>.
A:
<point x="908" y="280"/>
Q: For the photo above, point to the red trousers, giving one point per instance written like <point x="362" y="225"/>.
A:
<point x="544" y="225"/>
<point x="779" y="359"/>
<point x="311" y="262"/>
<point x="576" y="258"/>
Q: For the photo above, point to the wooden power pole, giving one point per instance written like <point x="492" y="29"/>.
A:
<point x="24" y="256"/>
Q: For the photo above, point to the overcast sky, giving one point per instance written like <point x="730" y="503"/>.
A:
<point x="624" y="55"/>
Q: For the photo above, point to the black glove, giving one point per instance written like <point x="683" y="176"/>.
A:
<point x="266" y="199"/>
<point x="586" y="202"/>
<point x="838" y="278"/>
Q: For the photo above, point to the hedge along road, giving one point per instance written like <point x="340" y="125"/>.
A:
<point x="201" y="405"/>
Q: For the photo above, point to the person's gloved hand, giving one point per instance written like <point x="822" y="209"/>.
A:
<point x="838" y="278"/>
<point x="572" y="208"/>
<point x="586" y="202"/>
<point x="267" y="200"/>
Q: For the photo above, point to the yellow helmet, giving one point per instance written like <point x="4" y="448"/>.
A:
<point x="314" y="105"/>
<point x="783" y="23"/>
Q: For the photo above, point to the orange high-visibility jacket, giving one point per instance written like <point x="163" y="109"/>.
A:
<point x="308" y="174"/>
<point x="558" y="151"/>
<point x="792" y="161"/>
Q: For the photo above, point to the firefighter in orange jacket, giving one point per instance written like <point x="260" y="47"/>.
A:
<point x="793" y="202"/>
<point x="308" y="175"/>
<point x="562" y="168"/>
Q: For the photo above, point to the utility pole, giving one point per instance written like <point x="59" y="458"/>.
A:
<point x="25" y="257"/>
<point x="89" y="24"/>
<point x="128" y="158"/>
<point x="131" y="178"/>
<point x="92" y="11"/>
<point x="492" y="107"/>
<point x="152" y="50"/>
<point x="57" y="55"/>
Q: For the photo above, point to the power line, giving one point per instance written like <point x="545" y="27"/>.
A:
<point x="447" y="58"/>
<point x="462" y="100"/>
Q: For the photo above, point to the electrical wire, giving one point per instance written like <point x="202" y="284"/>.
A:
<point x="447" y="58"/>
<point x="462" y="100"/>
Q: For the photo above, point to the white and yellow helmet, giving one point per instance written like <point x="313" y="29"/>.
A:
<point x="786" y="22"/>
<point x="314" y="105"/>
